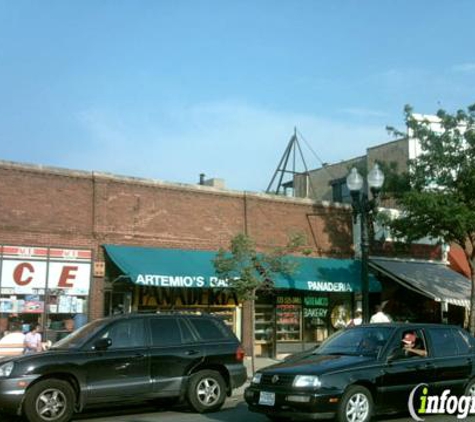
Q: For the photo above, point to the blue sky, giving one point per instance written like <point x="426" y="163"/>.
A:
<point x="170" y="89"/>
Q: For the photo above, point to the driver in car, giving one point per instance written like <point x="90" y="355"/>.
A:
<point x="410" y="346"/>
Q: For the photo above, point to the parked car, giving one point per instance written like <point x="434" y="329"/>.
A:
<point x="122" y="359"/>
<point x="365" y="370"/>
<point x="12" y="344"/>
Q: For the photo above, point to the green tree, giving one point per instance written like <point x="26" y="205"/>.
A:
<point x="437" y="193"/>
<point x="249" y="271"/>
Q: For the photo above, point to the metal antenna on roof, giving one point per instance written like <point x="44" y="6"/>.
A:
<point x="285" y="168"/>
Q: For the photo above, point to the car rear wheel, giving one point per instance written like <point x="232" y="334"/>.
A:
<point x="470" y="388"/>
<point x="356" y="405"/>
<point x="206" y="391"/>
<point x="49" y="401"/>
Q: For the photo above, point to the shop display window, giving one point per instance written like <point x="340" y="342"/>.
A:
<point x="44" y="286"/>
<point x="264" y="329"/>
<point x="340" y="312"/>
<point x="64" y="314"/>
<point x="20" y="311"/>
<point x="224" y="306"/>
<point x="315" y="318"/>
<point x="288" y="318"/>
<point x="228" y="315"/>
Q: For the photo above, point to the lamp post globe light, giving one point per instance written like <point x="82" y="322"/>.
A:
<point x="364" y="207"/>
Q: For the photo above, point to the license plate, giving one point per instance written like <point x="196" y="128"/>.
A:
<point x="266" y="398"/>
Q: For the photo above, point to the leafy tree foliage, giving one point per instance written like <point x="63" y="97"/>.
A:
<point x="437" y="193"/>
<point x="248" y="270"/>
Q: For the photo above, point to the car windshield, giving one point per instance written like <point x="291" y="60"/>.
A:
<point x="357" y="341"/>
<point x="79" y="337"/>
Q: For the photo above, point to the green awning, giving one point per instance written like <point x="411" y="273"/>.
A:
<point x="326" y="275"/>
<point x="188" y="268"/>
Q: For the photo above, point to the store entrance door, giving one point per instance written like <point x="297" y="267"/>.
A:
<point x="117" y="303"/>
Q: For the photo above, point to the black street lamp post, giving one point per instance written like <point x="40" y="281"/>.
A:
<point x="364" y="207"/>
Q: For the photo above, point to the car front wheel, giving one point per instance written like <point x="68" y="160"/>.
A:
<point x="49" y="401"/>
<point x="356" y="405"/>
<point x="470" y="388"/>
<point x="206" y="391"/>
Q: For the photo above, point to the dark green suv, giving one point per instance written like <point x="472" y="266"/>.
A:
<point x="131" y="358"/>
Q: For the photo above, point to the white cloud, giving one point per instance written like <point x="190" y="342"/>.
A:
<point x="464" y="68"/>
<point x="363" y="112"/>
<point x="239" y="142"/>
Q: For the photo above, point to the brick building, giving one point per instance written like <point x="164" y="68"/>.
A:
<point x="55" y="224"/>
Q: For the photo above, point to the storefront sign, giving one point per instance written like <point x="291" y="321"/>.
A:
<point x="326" y="286"/>
<point x="28" y="270"/>
<point x="186" y="297"/>
<point x="315" y="312"/>
<point x="315" y="301"/>
<point x="288" y="300"/>
<point x="73" y="279"/>
<point x="162" y="280"/>
<point x="23" y="276"/>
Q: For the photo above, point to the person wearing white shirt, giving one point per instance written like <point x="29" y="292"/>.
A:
<point x="33" y="341"/>
<point x="379" y="316"/>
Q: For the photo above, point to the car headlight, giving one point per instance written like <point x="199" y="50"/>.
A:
<point x="6" y="369"/>
<point x="306" y="381"/>
<point x="256" y="379"/>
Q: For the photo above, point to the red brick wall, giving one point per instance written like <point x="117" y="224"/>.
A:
<point x="165" y="215"/>
<point x="53" y="207"/>
<point x="414" y="251"/>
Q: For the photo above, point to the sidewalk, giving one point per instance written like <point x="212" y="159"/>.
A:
<point x="259" y="363"/>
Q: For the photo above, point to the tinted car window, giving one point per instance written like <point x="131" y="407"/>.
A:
<point x="209" y="329"/>
<point x="186" y="333"/>
<point x="443" y="342"/>
<point x="367" y="341"/>
<point x="165" y="332"/>
<point x="79" y="337"/>
<point x="124" y="334"/>
<point x="462" y="342"/>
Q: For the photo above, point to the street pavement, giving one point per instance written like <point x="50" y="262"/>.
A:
<point x="235" y="410"/>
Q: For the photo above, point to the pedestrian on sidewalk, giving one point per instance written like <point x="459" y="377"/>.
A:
<point x="357" y="320"/>
<point x="379" y="316"/>
<point x="33" y="341"/>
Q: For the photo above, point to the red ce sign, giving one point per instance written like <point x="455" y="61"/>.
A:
<point x="23" y="275"/>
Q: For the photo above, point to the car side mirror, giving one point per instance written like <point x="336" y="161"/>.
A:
<point x="102" y="344"/>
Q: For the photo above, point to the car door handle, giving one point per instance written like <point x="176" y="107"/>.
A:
<point x="425" y="366"/>
<point x="122" y="367"/>
<point x="191" y="352"/>
<point x="139" y="356"/>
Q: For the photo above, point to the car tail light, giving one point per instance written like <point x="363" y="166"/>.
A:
<point x="240" y="354"/>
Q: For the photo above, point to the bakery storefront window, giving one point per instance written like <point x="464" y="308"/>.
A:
<point x="44" y="286"/>
<point x="340" y="311"/>
<point x="289" y="318"/>
<point x="315" y="317"/>
<point x="222" y="303"/>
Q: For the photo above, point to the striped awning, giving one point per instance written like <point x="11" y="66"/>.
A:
<point x="432" y="279"/>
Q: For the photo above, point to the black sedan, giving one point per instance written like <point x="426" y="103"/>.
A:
<point x="366" y="370"/>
